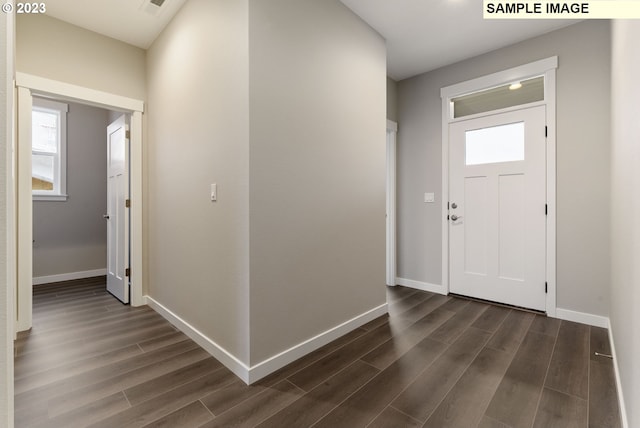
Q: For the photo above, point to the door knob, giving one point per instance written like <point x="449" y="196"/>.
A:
<point x="454" y="205"/>
<point x="105" y="216"/>
<point x="455" y="217"/>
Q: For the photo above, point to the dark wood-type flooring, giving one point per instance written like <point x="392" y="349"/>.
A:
<point x="435" y="361"/>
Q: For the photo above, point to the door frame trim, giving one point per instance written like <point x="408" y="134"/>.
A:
<point x="392" y="131"/>
<point x="28" y="85"/>
<point x="546" y="67"/>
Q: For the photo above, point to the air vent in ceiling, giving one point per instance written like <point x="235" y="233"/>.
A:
<point x="153" y="7"/>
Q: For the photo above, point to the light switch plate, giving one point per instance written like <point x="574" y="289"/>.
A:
<point x="429" y="197"/>
<point x="214" y="192"/>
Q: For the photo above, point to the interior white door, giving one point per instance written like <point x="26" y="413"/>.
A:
<point x="497" y="211"/>
<point x="117" y="215"/>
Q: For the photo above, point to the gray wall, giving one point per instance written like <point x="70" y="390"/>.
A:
<point x="625" y="214"/>
<point x="317" y="190"/>
<point x="198" y="251"/>
<point x="392" y="99"/>
<point x="57" y="50"/>
<point x="278" y="112"/>
<point x="582" y="160"/>
<point x="71" y="236"/>
<point x="6" y="302"/>
<point x="54" y="49"/>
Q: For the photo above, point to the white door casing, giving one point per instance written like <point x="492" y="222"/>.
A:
<point x="497" y="226"/>
<point x="544" y="67"/>
<point x="26" y="85"/>
<point x="392" y="129"/>
<point x="117" y="214"/>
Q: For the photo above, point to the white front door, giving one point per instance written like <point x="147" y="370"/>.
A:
<point x="497" y="212"/>
<point x="117" y="215"/>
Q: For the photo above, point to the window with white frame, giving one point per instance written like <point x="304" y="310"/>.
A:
<point x="49" y="150"/>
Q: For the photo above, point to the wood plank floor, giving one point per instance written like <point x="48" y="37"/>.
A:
<point x="435" y="361"/>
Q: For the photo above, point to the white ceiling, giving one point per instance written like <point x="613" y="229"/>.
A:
<point x="133" y="21"/>
<point x="421" y="35"/>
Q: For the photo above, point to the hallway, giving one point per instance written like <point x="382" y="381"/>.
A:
<point x="435" y="361"/>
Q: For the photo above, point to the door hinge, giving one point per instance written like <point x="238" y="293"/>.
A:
<point x="546" y="288"/>
<point x="127" y="134"/>
<point x="546" y="209"/>
<point x="546" y="130"/>
<point x="127" y="203"/>
<point x="127" y="272"/>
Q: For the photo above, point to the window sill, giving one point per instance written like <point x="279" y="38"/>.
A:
<point x="55" y="198"/>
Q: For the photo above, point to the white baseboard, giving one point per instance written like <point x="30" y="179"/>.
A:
<point x="424" y="286"/>
<point x="604" y="322"/>
<point x="68" y="276"/>
<point x="218" y="352"/>
<point x="276" y="362"/>
<point x="582" y="317"/>
<point x="564" y="314"/>
<point x="256" y="372"/>
<point x="623" y="409"/>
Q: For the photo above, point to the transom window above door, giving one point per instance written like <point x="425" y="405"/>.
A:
<point x="512" y="94"/>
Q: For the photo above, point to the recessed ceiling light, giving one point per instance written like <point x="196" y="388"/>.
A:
<point x="515" y="85"/>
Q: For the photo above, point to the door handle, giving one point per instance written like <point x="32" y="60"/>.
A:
<point x="105" y="216"/>
<point x="455" y="217"/>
